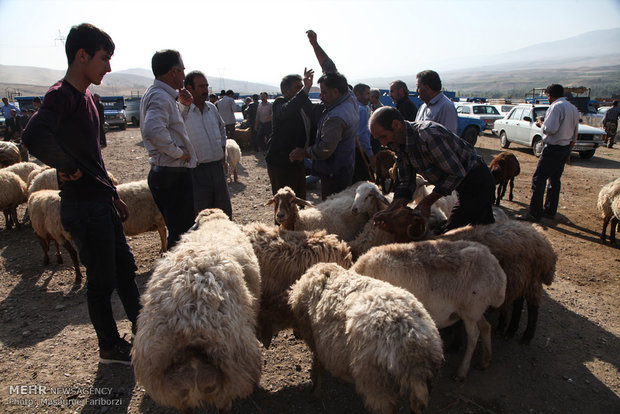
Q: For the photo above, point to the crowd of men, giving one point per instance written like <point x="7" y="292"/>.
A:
<point x="184" y="130"/>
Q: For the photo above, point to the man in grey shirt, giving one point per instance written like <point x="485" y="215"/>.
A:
<point x="436" y="107"/>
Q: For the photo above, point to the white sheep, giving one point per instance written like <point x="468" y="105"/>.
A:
<point x="47" y="179"/>
<point x="144" y="215"/>
<point x="606" y="197"/>
<point x="368" y="332"/>
<point x="454" y="281"/>
<point x="283" y="256"/>
<point x="333" y="214"/>
<point x="195" y="344"/>
<point x="44" y="210"/>
<point x="9" y="154"/>
<point x="12" y="194"/>
<point x="233" y="156"/>
<point x="23" y="169"/>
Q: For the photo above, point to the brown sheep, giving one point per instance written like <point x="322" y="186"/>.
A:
<point x="504" y="167"/>
<point x="385" y="160"/>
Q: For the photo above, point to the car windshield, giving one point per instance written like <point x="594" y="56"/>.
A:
<point x="118" y="105"/>
<point x="540" y="113"/>
<point x="485" y="110"/>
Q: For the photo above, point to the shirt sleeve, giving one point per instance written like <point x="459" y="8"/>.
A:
<point x="329" y="66"/>
<point x="363" y="133"/>
<point x="332" y="133"/>
<point x="40" y="134"/>
<point x="447" y="163"/>
<point x="155" y="128"/>
<point x="552" y="121"/>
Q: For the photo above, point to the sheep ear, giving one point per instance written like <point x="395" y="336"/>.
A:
<point x="270" y="201"/>
<point x="302" y="202"/>
<point x="382" y="198"/>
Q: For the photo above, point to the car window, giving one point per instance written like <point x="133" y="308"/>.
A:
<point x="466" y="109"/>
<point x="459" y="109"/>
<point x="540" y="113"/>
<point x="485" y="110"/>
<point x="516" y="114"/>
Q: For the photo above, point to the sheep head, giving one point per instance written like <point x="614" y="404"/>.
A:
<point x="405" y="223"/>
<point x="368" y="199"/>
<point x="286" y="207"/>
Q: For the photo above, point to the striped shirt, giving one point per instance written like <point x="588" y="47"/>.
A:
<point x="432" y="151"/>
<point x="206" y="131"/>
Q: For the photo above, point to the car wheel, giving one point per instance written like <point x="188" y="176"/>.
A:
<point x="470" y="135"/>
<point x="503" y="140"/>
<point x="537" y="146"/>
<point x="586" y="155"/>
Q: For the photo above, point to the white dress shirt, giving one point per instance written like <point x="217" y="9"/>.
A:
<point x="206" y="131"/>
<point x="441" y="110"/>
<point x="163" y="129"/>
<point x="561" y="123"/>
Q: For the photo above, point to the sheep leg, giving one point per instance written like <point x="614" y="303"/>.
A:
<point x="418" y="399"/>
<point x="604" y="231"/>
<point x="612" y="231"/>
<point x="498" y="196"/>
<point x="515" y="318"/>
<point x="76" y="263"/>
<point x="485" y="334"/>
<point x="7" y="219"/>
<point x="235" y="174"/>
<point x="162" y="237"/>
<point x="472" y="339"/>
<point x="58" y="255"/>
<point x="512" y="186"/>
<point x="316" y="377"/>
<point x="503" y="186"/>
<point x="45" y="246"/>
<point x="532" y="319"/>
<point x="15" y="218"/>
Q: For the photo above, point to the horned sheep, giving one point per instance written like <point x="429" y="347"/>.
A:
<point x="233" y="156"/>
<point x="368" y="332"/>
<point x="453" y="280"/>
<point x="12" y="194"/>
<point x="283" y="256"/>
<point x="333" y="215"/>
<point x="195" y="344"/>
<point x="606" y="197"/>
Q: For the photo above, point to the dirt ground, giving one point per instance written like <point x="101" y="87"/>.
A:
<point x="47" y="343"/>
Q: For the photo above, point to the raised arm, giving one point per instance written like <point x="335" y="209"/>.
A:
<point x="327" y="65"/>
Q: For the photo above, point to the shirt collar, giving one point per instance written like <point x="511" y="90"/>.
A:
<point x="436" y="98"/>
<point x="169" y="89"/>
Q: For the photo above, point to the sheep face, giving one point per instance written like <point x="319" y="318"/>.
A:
<point x="368" y="198"/>
<point x="286" y="207"/>
<point x="405" y="223"/>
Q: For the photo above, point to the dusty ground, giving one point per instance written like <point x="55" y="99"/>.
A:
<point x="571" y="366"/>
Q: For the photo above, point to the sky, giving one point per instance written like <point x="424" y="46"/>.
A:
<point x="260" y="41"/>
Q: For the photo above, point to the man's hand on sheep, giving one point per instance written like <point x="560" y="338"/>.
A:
<point x="121" y="207"/>
<point x="65" y="177"/>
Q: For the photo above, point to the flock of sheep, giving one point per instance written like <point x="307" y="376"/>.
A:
<point x="367" y="302"/>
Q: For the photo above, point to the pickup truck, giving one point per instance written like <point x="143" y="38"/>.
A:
<point x="114" y="111"/>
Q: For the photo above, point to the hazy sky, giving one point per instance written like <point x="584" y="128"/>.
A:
<point x="261" y="41"/>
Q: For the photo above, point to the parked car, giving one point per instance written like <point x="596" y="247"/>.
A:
<point x="132" y="110"/>
<point x="114" y="111"/>
<point x="503" y="109"/>
<point x="485" y="112"/>
<point x="519" y="126"/>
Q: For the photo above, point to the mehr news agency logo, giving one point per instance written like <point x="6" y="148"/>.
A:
<point x="42" y="395"/>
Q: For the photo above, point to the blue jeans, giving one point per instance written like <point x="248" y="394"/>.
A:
<point x="172" y="191"/>
<point x="548" y="172"/>
<point x="97" y="232"/>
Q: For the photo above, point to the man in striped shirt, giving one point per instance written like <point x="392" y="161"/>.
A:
<point x="442" y="158"/>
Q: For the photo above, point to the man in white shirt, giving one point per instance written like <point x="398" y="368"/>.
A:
<point x="226" y="107"/>
<point x="171" y="154"/>
<point x="264" y="114"/>
<point x="560" y="130"/>
<point x="207" y="132"/>
<point x="436" y="107"/>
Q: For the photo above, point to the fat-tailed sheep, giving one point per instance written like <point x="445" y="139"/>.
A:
<point x="9" y="154"/>
<point x="606" y="197"/>
<point x="12" y="194"/>
<point x="23" y="169"/>
<point x="333" y="215"/>
<point x="368" y="332"/>
<point x="504" y="167"/>
<point x="233" y="156"/>
<point x="44" y="210"/>
<point x="47" y="179"/>
<point x="453" y="280"/>
<point x="195" y="343"/>
<point x="283" y="256"/>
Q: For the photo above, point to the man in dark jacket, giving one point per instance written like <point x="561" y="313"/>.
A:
<point x="291" y="128"/>
<point x="400" y="96"/>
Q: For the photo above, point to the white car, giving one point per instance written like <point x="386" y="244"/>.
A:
<point x="519" y="126"/>
<point x="485" y="112"/>
<point x="504" y="108"/>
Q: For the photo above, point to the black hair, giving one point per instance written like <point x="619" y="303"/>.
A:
<point x="431" y="79"/>
<point x="87" y="37"/>
<point x="164" y="60"/>
<point x="359" y="88"/>
<point x="189" y="78"/>
<point x="555" y="91"/>
<point x="384" y="117"/>
<point x="287" y="81"/>
<point x="400" y="84"/>
<point x="335" y="80"/>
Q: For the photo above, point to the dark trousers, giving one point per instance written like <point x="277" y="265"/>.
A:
<point x="262" y="133"/>
<point x="548" y="172"/>
<point x="97" y="232"/>
<point x="475" y="199"/>
<point x="210" y="188"/>
<point x="335" y="183"/>
<point x="173" y="193"/>
<point x="230" y="131"/>
<point x="293" y="176"/>
<point x="361" y="171"/>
